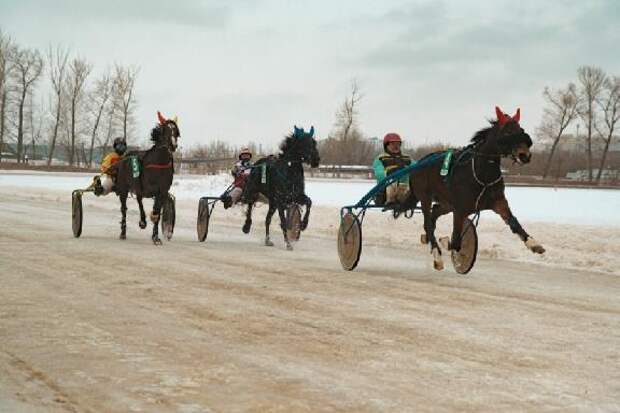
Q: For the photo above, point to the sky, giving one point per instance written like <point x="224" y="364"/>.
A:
<point x="248" y="70"/>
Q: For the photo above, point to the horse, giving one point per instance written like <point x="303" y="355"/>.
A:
<point x="475" y="183"/>
<point x="156" y="170"/>
<point x="281" y="180"/>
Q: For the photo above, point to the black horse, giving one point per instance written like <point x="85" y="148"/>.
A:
<point x="148" y="174"/>
<point x="475" y="183"/>
<point x="281" y="180"/>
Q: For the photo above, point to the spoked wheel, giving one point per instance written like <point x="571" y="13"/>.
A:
<point x="293" y="222"/>
<point x="202" y="223"/>
<point x="464" y="260"/>
<point x="168" y="217"/>
<point x="349" y="241"/>
<point x="76" y="213"/>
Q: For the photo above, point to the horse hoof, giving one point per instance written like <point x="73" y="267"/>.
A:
<point x="157" y="241"/>
<point x="289" y="247"/>
<point x="304" y="225"/>
<point x="142" y="224"/>
<point x="423" y="239"/>
<point x="437" y="261"/>
<point x="246" y="227"/>
<point x="534" y="246"/>
<point x="122" y="236"/>
<point x="445" y="242"/>
<point x="268" y="243"/>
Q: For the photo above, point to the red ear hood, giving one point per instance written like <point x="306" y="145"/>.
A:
<point x="501" y="117"/>
<point x="162" y="120"/>
<point x="517" y="116"/>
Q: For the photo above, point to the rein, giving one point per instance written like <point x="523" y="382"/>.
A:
<point x="482" y="184"/>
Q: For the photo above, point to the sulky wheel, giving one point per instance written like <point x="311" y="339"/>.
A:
<point x="76" y="213"/>
<point x="293" y="222"/>
<point x="349" y="241"/>
<point x="463" y="261"/>
<point x="202" y="223"/>
<point x="168" y="216"/>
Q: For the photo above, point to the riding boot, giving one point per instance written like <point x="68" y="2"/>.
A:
<point x="97" y="187"/>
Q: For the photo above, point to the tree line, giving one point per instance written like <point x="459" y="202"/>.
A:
<point x="592" y="103"/>
<point x="53" y="102"/>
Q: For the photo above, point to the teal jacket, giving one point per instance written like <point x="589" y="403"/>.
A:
<point x="386" y="164"/>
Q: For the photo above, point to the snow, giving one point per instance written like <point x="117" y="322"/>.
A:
<point x="598" y="207"/>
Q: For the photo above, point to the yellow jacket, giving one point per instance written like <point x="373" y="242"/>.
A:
<point x="109" y="160"/>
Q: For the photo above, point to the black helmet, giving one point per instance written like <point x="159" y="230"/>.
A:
<point x="119" y="145"/>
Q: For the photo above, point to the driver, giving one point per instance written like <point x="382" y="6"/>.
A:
<point x="108" y="172"/>
<point x="240" y="171"/>
<point x="387" y="163"/>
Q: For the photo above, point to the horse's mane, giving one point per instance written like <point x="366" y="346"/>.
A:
<point x="481" y="135"/>
<point x="287" y="143"/>
<point x="156" y="133"/>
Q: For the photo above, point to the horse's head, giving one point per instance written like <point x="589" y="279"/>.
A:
<point x="511" y="139"/>
<point x="166" y="133"/>
<point x="301" y="146"/>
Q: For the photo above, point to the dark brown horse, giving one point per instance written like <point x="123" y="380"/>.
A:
<point x="154" y="169"/>
<point x="281" y="180"/>
<point x="475" y="183"/>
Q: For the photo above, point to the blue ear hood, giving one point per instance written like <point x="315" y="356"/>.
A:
<point x="299" y="132"/>
<point x="311" y="133"/>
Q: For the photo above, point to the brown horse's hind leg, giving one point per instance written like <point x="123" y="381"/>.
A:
<point x="429" y="228"/>
<point x="270" y="213"/>
<point x="501" y="207"/>
<point x="123" y="198"/>
<point x="142" y="222"/>
<point x="248" y="219"/>
<point x="155" y="218"/>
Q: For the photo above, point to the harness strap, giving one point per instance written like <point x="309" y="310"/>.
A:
<point x="482" y="184"/>
<point x="159" y="165"/>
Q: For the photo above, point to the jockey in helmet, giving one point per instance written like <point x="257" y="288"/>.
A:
<point x="387" y="163"/>
<point x="108" y="172"/>
<point x="240" y="171"/>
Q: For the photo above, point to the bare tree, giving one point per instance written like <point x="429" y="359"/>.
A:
<point x="28" y="67"/>
<point x="346" y="144"/>
<point x="35" y="125"/>
<point x="610" y="106"/>
<point x="346" y="116"/>
<point x="557" y="117"/>
<point x="6" y="48"/>
<point x="79" y="69"/>
<point x="591" y="80"/>
<point x="123" y="95"/>
<point x="57" y="60"/>
<point x="99" y="98"/>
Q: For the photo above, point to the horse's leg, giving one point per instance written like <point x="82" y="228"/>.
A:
<point x="308" y="203"/>
<point x="142" y="222"/>
<point x="157" y="203"/>
<point x="283" y="226"/>
<point x="502" y="209"/>
<point x="270" y="213"/>
<point x="458" y="218"/>
<point x="429" y="228"/>
<point x="248" y="218"/>
<point x="123" y="198"/>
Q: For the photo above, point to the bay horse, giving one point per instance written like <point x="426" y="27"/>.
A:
<point x="156" y="170"/>
<point x="281" y="180"/>
<point x="475" y="183"/>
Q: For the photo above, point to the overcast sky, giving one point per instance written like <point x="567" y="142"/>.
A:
<point x="249" y="69"/>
